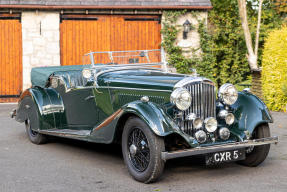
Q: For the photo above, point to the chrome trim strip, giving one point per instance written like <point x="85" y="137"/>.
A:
<point x="218" y="148"/>
<point x="151" y="50"/>
<point x="192" y="79"/>
<point x="127" y="88"/>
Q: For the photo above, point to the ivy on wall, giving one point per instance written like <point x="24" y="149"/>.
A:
<point x="222" y="43"/>
<point x="169" y="31"/>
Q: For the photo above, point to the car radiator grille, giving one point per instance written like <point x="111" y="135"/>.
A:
<point x="203" y="104"/>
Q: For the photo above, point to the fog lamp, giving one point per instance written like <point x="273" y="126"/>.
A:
<point x="210" y="124"/>
<point x="197" y="123"/>
<point x="200" y="136"/>
<point x="224" y="133"/>
<point x="229" y="119"/>
<point x="222" y="114"/>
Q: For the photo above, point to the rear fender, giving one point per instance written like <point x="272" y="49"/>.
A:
<point x="39" y="104"/>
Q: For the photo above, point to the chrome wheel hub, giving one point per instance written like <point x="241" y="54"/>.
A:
<point x="138" y="149"/>
<point x="133" y="150"/>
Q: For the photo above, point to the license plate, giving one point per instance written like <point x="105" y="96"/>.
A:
<point x="225" y="156"/>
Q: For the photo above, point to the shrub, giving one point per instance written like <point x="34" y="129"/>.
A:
<point x="274" y="73"/>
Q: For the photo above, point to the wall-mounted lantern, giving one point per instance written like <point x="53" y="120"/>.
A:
<point x="186" y="29"/>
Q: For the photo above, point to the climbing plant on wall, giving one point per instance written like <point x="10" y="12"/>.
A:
<point x="223" y="57"/>
<point x="174" y="52"/>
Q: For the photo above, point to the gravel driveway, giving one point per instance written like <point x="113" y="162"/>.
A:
<point x="68" y="165"/>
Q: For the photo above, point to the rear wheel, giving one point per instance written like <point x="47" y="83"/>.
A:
<point x="32" y="121"/>
<point x="257" y="154"/>
<point x="34" y="136"/>
<point x="142" y="151"/>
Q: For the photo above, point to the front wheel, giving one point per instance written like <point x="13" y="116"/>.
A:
<point x="257" y="154"/>
<point x="142" y="151"/>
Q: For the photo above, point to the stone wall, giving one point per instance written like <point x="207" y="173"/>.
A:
<point x="41" y="44"/>
<point x="191" y="45"/>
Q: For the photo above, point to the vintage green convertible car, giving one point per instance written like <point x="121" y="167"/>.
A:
<point x="155" y="115"/>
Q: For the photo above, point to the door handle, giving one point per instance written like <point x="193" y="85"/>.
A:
<point x="89" y="97"/>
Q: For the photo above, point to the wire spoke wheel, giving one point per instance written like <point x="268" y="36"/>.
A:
<point x="142" y="151"/>
<point x="138" y="148"/>
<point x="28" y="124"/>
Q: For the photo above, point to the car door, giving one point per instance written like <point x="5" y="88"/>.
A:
<point x="80" y="108"/>
<point x="79" y="101"/>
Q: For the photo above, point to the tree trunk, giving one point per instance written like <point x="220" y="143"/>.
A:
<point x="252" y="55"/>
<point x="256" y="84"/>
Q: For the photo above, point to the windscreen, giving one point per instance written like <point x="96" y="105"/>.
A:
<point x="149" y="57"/>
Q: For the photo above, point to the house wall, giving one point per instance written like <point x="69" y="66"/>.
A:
<point x="191" y="45"/>
<point x="41" y="42"/>
<point x="40" y="38"/>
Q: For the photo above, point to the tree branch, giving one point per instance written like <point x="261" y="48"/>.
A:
<point x="258" y="27"/>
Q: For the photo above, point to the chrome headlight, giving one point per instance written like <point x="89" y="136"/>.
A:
<point x="87" y="73"/>
<point x="228" y="94"/>
<point x="210" y="124"/>
<point x="181" y="98"/>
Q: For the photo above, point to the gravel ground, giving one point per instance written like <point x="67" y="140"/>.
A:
<point x="68" y="165"/>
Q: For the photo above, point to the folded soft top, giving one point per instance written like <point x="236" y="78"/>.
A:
<point x="40" y="75"/>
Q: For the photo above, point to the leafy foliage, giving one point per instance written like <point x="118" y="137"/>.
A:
<point x="223" y="45"/>
<point x="170" y="31"/>
<point x="274" y="73"/>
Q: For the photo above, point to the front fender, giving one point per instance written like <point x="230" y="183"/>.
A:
<point x="249" y="112"/>
<point x="154" y="116"/>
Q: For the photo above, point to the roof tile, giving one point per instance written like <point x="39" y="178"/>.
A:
<point x="109" y="2"/>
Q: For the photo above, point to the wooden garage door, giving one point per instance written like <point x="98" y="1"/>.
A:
<point x="82" y="34"/>
<point x="10" y="57"/>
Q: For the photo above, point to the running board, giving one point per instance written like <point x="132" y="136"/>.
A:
<point x="67" y="133"/>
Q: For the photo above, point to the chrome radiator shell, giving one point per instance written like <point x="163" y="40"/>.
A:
<point x="203" y="102"/>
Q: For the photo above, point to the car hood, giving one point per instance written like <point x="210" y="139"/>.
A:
<point x="140" y="78"/>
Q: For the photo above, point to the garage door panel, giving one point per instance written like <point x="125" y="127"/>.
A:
<point x="10" y="59"/>
<point x="107" y="33"/>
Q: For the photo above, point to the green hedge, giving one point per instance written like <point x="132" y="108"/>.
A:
<point x="274" y="70"/>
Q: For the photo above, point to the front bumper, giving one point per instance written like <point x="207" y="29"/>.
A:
<point x="218" y="148"/>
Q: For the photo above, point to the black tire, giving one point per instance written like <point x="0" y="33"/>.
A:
<point x="148" y="145"/>
<point x="34" y="136"/>
<point x="257" y="154"/>
<point x="32" y="122"/>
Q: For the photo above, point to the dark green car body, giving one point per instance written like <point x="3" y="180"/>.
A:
<point x="96" y="109"/>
